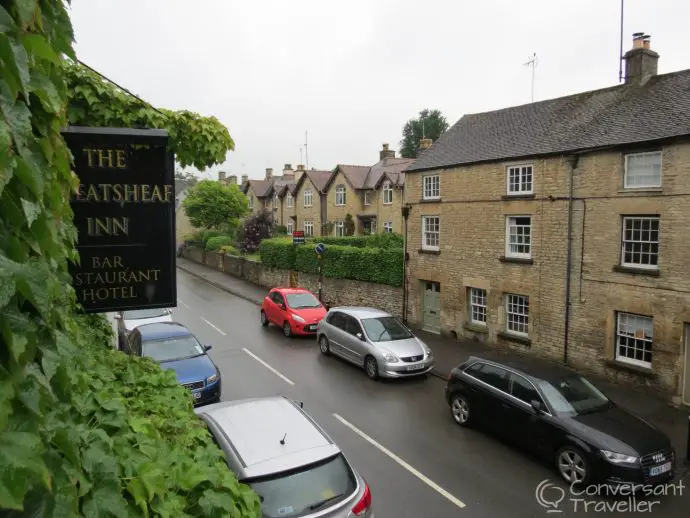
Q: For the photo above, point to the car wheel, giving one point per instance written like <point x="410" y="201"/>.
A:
<point x="572" y="465"/>
<point x="324" y="346"/>
<point x="460" y="410"/>
<point x="371" y="367"/>
<point x="287" y="330"/>
<point x="264" y="319"/>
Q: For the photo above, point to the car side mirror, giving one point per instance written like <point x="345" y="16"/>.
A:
<point x="536" y="406"/>
<point x="282" y="306"/>
<point x="360" y="336"/>
<point x="208" y="347"/>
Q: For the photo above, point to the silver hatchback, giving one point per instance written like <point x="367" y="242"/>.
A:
<point x="375" y="340"/>
<point x="278" y="450"/>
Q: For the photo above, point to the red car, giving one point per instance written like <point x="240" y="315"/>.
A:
<point x="296" y="310"/>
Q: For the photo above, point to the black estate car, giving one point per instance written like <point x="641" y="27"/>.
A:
<point x="562" y="417"/>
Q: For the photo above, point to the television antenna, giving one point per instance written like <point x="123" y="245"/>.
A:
<point x="532" y="62"/>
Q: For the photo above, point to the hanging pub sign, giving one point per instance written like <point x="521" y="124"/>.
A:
<point x="124" y="211"/>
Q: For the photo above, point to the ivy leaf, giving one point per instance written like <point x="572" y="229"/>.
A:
<point x="136" y="488"/>
<point x="21" y="454"/>
<point x="45" y="90"/>
<point x="31" y="282"/>
<point x="31" y="211"/>
<point x="13" y="487"/>
<point x="153" y="479"/>
<point x="37" y="44"/>
<point x="7" y="287"/>
<point x="6" y="396"/>
<point x="6" y="22"/>
<point x="213" y="500"/>
<point x="30" y="175"/>
<point x="50" y="361"/>
<point x="104" y="501"/>
<point x="17" y="116"/>
<point x="26" y="10"/>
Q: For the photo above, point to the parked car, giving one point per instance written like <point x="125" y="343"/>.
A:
<point x="375" y="340"/>
<point x="276" y="448"/>
<point x="296" y="310"/>
<point x="129" y="320"/>
<point x="562" y="417"/>
<point x="174" y="347"/>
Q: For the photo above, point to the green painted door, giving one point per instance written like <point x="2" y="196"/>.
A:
<point x="431" y="307"/>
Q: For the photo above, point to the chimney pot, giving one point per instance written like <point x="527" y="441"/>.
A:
<point x="288" y="166"/>
<point x="386" y="152"/>
<point x="245" y="178"/>
<point x="425" y="143"/>
<point x="300" y="167"/>
<point x="269" y="173"/>
<point x="641" y="62"/>
<point x="232" y="179"/>
<point x="221" y="176"/>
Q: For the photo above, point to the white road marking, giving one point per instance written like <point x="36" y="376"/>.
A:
<point x="433" y="485"/>
<point x="183" y="304"/>
<point x="274" y="371"/>
<point x="214" y="327"/>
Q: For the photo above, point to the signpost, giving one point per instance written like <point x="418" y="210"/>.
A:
<point x="124" y="211"/>
<point x="298" y="237"/>
<point x="319" y="249"/>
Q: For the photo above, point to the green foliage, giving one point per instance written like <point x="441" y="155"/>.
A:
<point x="327" y="228"/>
<point x="215" y="243"/>
<point x="278" y="253"/>
<point x="195" y="238"/>
<point x="84" y="430"/>
<point x="208" y="234"/>
<point x="383" y="240"/>
<point x="386" y="240"/>
<point x="280" y="230"/>
<point x="214" y="205"/>
<point x="256" y="228"/>
<point x="196" y="141"/>
<point x="229" y="250"/>
<point x="186" y="177"/>
<point x="349" y="224"/>
<point x="430" y="124"/>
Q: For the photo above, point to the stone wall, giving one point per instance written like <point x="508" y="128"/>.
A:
<point x="334" y="292"/>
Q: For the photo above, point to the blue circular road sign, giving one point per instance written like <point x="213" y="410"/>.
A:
<point x="320" y="248"/>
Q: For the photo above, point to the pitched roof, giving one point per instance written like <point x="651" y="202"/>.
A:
<point x="393" y="166"/>
<point x="320" y="179"/>
<point x="261" y="188"/>
<point x="624" y="114"/>
<point x="285" y="188"/>
<point x="356" y="175"/>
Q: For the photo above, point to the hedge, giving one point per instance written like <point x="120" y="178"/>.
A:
<point x="382" y="266"/>
<point x="383" y="240"/>
<point x="214" y="243"/>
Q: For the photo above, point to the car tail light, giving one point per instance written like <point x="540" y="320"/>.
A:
<point x="364" y="503"/>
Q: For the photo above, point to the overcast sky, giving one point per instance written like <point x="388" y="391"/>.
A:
<point x="351" y="73"/>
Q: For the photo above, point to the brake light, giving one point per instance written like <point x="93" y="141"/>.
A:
<point x="364" y="503"/>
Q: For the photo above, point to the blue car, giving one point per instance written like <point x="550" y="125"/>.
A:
<point x="174" y="347"/>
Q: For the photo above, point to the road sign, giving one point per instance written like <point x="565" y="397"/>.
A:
<point x="320" y="248"/>
<point x="298" y="237"/>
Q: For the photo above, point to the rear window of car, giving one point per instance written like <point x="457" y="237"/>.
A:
<point x="305" y="491"/>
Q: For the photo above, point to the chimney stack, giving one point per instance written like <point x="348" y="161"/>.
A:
<point x="641" y="62"/>
<point x="299" y="172"/>
<point x="221" y="176"/>
<point x="269" y="173"/>
<point x="386" y="153"/>
<point x="232" y="179"/>
<point x="287" y="169"/>
<point x="245" y="178"/>
<point x="425" y="143"/>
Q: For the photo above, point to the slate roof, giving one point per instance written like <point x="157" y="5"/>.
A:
<point x="285" y="188"/>
<point x="355" y="174"/>
<point x="318" y="178"/>
<point x="624" y="114"/>
<point x="394" y="167"/>
<point x="261" y="188"/>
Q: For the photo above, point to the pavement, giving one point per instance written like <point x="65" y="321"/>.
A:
<point x="398" y="434"/>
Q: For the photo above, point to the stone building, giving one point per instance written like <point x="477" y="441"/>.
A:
<point x="561" y="228"/>
<point x="310" y="203"/>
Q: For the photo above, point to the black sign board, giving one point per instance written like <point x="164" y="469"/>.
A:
<point x="124" y="210"/>
<point x="298" y="237"/>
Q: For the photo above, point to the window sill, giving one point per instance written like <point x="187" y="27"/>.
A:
<point x="514" y="338"/>
<point x="430" y="200"/>
<point x="475" y="328"/>
<point x="636" y="271"/>
<point x="430" y="252"/>
<point x="635" y="369"/>
<point x="518" y="196"/>
<point x="516" y="260"/>
<point x="641" y="190"/>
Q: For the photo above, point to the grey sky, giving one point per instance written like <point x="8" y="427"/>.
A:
<point x="351" y="73"/>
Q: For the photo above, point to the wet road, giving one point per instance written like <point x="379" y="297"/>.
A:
<point x="398" y="434"/>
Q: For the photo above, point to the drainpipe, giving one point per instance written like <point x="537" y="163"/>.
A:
<point x="405" y="214"/>
<point x="572" y="164"/>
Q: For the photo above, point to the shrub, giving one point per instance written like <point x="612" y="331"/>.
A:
<point x="195" y="238"/>
<point x="386" y="240"/>
<point x="229" y="250"/>
<point x="278" y="253"/>
<point x="210" y="234"/>
<point x="349" y="224"/>
<point x="280" y="230"/>
<point x="357" y="241"/>
<point x="216" y="242"/>
<point x="256" y="228"/>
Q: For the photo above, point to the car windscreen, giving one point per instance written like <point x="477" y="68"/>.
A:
<point x="573" y="395"/>
<point x="139" y="314"/>
<point x="305" y="491"/>
<point x="385" y="329"/>
<point x="168" y="349"/>
<point x="302" y="300"/>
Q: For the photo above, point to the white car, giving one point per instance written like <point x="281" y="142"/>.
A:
<point x="127" y="321"/>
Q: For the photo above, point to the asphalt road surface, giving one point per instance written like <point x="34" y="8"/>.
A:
<point x="398" y="434"/>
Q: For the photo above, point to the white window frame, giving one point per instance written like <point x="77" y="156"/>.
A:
<point x="310" y="197"/>
<point x="511" y="221"/>
<point x="275" y="201"/>
<point x="340" y="196"/>
<point x="632" y="244"/>
<point x="519" y="169"/>
<point x="626" y="178"/>
<point x="251" y="202"/>
<point x="519" y="301"/>
<point x="290" y="227"/>
<point x="367" y="201"/>
<point x="477" y="305"/>
<point x="431" y="187"/>
<point x="308" y="228"/>
<point x="631" y="339"/>
<point x="388" y="226"/>
<point x="387" y="193"/>
<point x="289" y="200"/>
<point x="339" y="229"/>
<point x="425" y="232"/>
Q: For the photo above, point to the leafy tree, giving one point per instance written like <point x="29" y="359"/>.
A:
<point x="349" y="225"/>
<point x="430" y="124"/>
<point x="211" y="204"/>
<point x="255" y="229"/>
<point x="186" y="177"/>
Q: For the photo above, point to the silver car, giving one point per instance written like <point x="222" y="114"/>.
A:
<point x="277" y="449"/>
<point x="375" y="340"/>
<point x="128" y="321"/>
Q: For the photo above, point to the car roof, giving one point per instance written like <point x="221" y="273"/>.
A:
<point x="534" y="368"/>
<point x="291" y="290"/>
<point x="361" y="311"/>
<point x="255" y="427"/>
<point x="157" y="330"/>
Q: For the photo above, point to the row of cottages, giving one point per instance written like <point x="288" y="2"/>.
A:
<point x="562" y="227"/>
<point x="318" y="202"/>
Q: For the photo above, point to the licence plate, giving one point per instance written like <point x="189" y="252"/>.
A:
<point x="415" y="367"/>
<point x="311" y="327"/>
<point x="197" y="395"/>
<point x="658" y="470"/>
